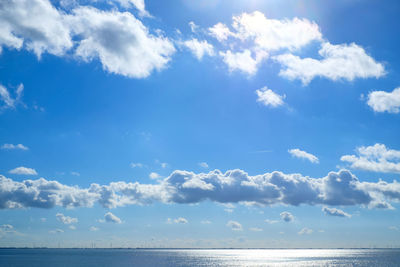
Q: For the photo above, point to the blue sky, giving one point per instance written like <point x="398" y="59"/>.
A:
<point x="199" y="123"/>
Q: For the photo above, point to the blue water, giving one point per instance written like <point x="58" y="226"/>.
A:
<point x="198" y="257"/>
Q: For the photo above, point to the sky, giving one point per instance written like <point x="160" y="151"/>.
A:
<point x="200" y="124"/>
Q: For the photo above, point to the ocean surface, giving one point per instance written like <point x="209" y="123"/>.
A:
<point x="198" y="257"/>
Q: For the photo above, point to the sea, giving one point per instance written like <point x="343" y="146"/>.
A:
<point x="198" y="257"/>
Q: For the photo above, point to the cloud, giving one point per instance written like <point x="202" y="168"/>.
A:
<point x="179" y="220"/>
<point x="271" y="221"/>
<point x="35" y="25"/>
<point x="243" y="61"/>
<point x="203" y="165"/>
<point x="335" y="212"/>
<point x="120" y="41"/>
<point x="94" y="229"/>
<point x="6" y="100"/>
<point x="111" y="218"/>
<point x="305" y="231"/>
<point x="23" y="171"/>
<point x="14" y="147"/>
<point x="138" y="4"/>
<point x="303" y="155"/>
<point x="154" y="175"/>
<point x="199" y="48"/>
<point x="193" y="26"/>
<point x="340" y="188"/>
<point x="205" y="222"/>
<point x="220" y="31"/>
<point x="75" y="174"/>
<point x="376" y="158"/>
<point x="394" y="228"/>
<point x="56" y="231"/>
<point x="338" y="62"/>
<point x="72" y="227"/>
<point x="267" y="97"/>
<point x="255" y="229"/>
<point x="66" y="219"/>
<point x="287" y="216"/>
<point x="235" y="226"/>
<point x="381" y="101"/>
<point x="136" y="165"/>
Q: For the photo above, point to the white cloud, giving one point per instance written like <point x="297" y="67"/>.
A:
<point x="243" y="61"/>
<point x="23" y="171"/>
<point x="72" y="227"/>
<point x="14" y="147"/>
<point x="8" y="101"/>
<point x="269" y="98"/>
<point x="154" y="175"/>
<point x="66" y="219"/>
<point x="193" y="26"/>
<point x="34" y="24"/>
<point x="338" y="62"/>
<point x="305" y="231"/>
<point x="340" y="188"/>
<point x="255" y="229"/>
<point x="376" y="158"/>
<point x="272" y="34"/>
<point x="111" y="218"/>
<point x="303" y="155"/>
<point x="199" y="48"/>
<point x="138" y="4"/>
<point x="205" y="222"/>
<point x="179" y="220"/>
<point x="271" y="221"/>
<point x="287" y="216"/>
<point x="203" y="165"/>
<point x="335" y="212"/>
<point x="94" y="229"/>
<point x="136" y="165"/>
<point x="75" y="174"/>
<point x="56" y="231"/>
<point x="220" y="31"/>
<point x="120" y="41"/>
<point x="235" y="226"/>
<point x="381" y="101"/>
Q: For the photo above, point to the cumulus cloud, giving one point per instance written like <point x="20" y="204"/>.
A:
<point x="199" y="48"/>
<point x="66" y="219"/>
<point x="111" y="218"/>
<point x="335" y="212"/>
<point x="338" y="62"/>
<point x="203" y="165"/>
<point x="56" y="231"/>
<point x="234" y="225"/>
<point x="14" y="147"/>
<point x="154" y="175"/>
<point x="303" y="155"/>
<point x="305" y="231"/>
<point x="267" y="97"/>
<point x="287" y="216"/>
<point x="34" y="24"/>
<point x="381" y="101"/>
<point x="340" y="188"/>
<point x="220" y="31"/>
<point x="121" y="42"/>
<point x="94" y="229"/>
<point x="7" y="101"/>
<point x="179" y="220"/>
<point x="376" y="158"/>
<point x="23" y="171"/>
<point x="246" y="61"/>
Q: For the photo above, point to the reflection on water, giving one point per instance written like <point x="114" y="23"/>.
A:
<point x="198" y="257"/>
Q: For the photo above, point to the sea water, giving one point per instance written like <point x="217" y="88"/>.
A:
<point x="198" y="257"/>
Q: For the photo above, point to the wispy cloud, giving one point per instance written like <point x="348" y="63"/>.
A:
<point x="297" y="153"/>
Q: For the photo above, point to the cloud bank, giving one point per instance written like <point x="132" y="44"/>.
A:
<point x="234" y="186"/>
